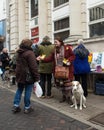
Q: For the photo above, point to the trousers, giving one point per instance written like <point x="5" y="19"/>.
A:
<point x="27" y="95"/>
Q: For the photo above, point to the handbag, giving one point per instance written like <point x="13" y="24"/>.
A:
<point x="61" y="72"/>
<point x="29" y="77"/>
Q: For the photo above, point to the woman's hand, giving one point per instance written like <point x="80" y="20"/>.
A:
<point x="38" y="58"/>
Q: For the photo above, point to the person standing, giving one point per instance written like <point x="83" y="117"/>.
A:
<point x="60" y="53"/>
<point x="25" y="57"/>
<point x="45" y="69"/>
<point x="81" y="65"/>
<point x="5" y="59"/>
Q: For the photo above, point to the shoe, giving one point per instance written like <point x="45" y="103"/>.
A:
<point x="26" y="111"/>
<point x="43" y="97"/>
<point x="63" y="99"/>
<point x="50" y="96"/>
<point x="69" y="101"/>
<point x="16" y="109"/>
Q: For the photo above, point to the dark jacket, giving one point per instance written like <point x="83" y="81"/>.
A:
<point x="27" y="54"/>
<point x="5" y="60"/>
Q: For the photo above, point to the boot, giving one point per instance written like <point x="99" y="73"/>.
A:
<point x="13" y="80"/>
<point x="69" y="101"/>
<point x="63" y="99"/>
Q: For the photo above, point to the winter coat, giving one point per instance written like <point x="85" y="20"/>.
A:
<point x="5" y="60"/>
<point x="81" y="64"/>
<point x="27" y="54"/>
<point x="46" y="48"/>
<point x="69" y="55"/>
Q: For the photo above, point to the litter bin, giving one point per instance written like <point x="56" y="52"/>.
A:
<point x="99" y="87"/>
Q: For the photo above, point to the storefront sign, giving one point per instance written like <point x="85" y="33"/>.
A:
<point x="34" y="31"/>
<point x="35" y="40"/>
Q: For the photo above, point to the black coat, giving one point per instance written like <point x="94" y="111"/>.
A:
<point x="5" y="60"/>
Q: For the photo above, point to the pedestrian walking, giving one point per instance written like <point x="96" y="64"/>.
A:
<point x="26" y="75"/>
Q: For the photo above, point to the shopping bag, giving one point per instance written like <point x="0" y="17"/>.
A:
<point x="1" y="72"/>
<point x="37" y="89"/>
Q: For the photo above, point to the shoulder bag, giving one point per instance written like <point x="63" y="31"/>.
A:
<point x="61" y="72"/>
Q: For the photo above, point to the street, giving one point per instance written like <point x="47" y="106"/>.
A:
<point x="48" y="114"/>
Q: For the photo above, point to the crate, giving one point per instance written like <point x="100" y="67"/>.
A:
<point x="99" y="88"/>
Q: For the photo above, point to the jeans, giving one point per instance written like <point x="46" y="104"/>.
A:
<point x="27" y="95"/>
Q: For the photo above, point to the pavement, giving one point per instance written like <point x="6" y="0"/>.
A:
<point x="48" y="114"/>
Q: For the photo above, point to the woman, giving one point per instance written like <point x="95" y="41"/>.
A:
<point x="60" y="53"/>
<point x="81" y="65"/>
<point x="25" y="57"/>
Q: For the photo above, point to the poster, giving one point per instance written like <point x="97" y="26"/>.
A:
<point x="98" y="59"/>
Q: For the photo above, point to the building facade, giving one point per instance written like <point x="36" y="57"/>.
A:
<point x="70" y="19"/>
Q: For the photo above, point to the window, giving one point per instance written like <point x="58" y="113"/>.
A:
<point x="59" y="2"/>
<point x="63" y="35"/>
<point x="34" y="8"/>
<point x="61" y="28"/>
<point x="61" y="24"/>
<point x="96" y="13"/>
<point x="96" y="24"/>
<point x="36" y="21"/>
<point x="97" y="29"/>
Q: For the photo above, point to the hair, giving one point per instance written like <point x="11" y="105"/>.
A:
<point x="80" y="41"/>
<point x="46" y="39"/>
<point x="59" y="39"/>
<point x="4" y="50"/>
<point x="26" y="43"/>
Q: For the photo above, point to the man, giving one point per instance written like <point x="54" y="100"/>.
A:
<point x="46" y="69"/>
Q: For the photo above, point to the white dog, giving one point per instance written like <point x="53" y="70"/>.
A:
<point x="78" y="95"/>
